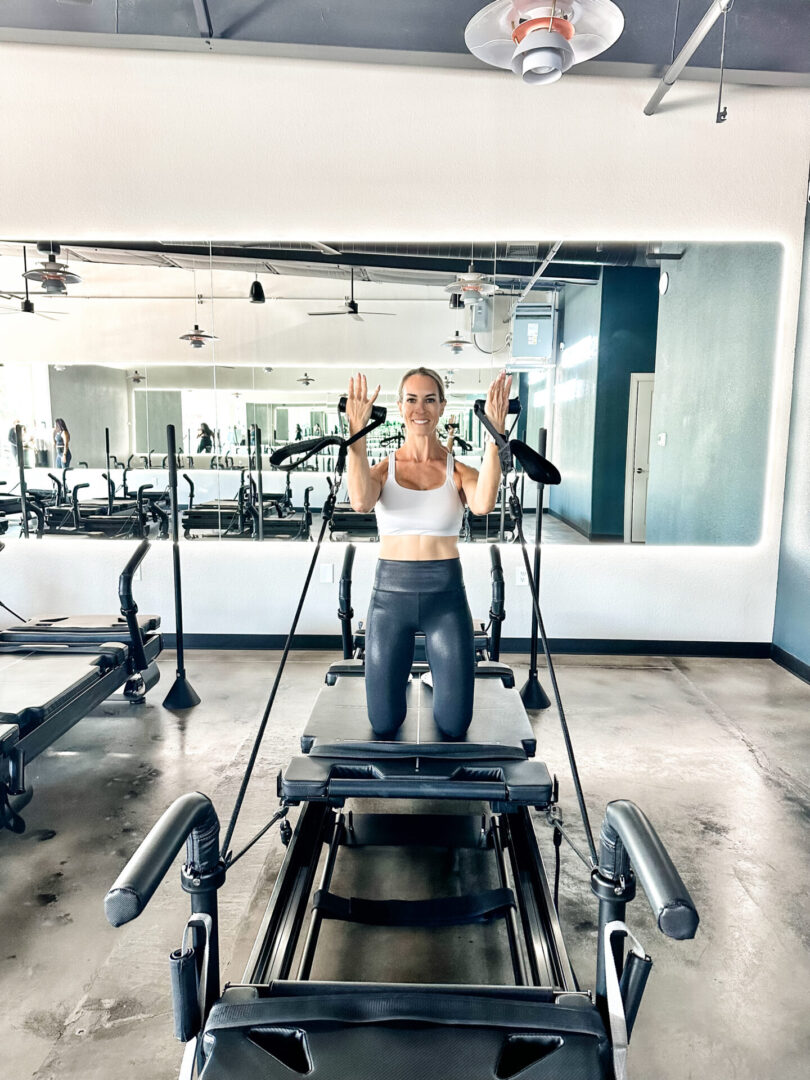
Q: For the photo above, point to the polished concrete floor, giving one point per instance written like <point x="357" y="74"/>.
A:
<point x="717" y="752"/>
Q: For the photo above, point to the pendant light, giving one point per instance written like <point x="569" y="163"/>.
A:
<point x="256" y="291"/>
<point x="197" y="337"/>
<point x="539" y="40"/>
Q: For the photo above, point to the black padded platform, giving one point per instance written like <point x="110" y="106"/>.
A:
<point x="33" y="687"/>
<point x="75" y="629"/>
<point x="342" y="1031"/>
<point x="338" y="726"/>
<point x="521" y="783"/>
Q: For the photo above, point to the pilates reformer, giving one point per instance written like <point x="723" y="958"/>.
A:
<point x="350" y="524"/>
<point x="56" y="669"/>
<point x="294" y="1016"/>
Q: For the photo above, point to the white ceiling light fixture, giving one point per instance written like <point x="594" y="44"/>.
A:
<point x="471" y="287"/>
<point x="54" y="276"/>
<point x="197" y="337"/>
<point x="456" y="343"/>
<point x="540" y="39"/>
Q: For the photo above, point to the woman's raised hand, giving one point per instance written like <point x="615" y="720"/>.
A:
<point x="497" y="406"/>
<point x="358" y="403"/>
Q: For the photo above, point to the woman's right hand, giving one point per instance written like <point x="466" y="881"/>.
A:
<point x="358" y="403"/>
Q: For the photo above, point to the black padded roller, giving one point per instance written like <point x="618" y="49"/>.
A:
<point x="191" y="817"/>
<point x="626" y="826"/>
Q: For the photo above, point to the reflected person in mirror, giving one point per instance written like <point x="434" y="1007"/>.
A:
<point x="61" y="443"/>
<point x="419" y="493"/>
<point x="205" y="436"/>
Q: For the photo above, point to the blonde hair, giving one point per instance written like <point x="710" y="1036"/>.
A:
<point x="431" y="374"/>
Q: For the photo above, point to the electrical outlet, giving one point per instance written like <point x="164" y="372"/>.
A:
<point x="327" y="573"/>
<point x="520" y="576"/>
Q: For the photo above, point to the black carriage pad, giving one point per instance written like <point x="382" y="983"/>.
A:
<point x="35" y="685"/>
<point x="75" y="629"/>
<point x="501" y="782"/>
<point x="351" y="1031"/>
<point x="338" y="725"/>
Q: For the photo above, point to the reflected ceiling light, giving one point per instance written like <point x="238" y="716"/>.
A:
<point x="256" y="292"/>
<point x="197" y="338"/>
<point x="456" y="343"/>
<point x="663" y="283"/>
<point x="305" y="379"/>
<point x="540" y="39"/>
<point x="54" y="276"/>
<point x="470" y="287"/>
<point x="267" y="370"/>
<point x="449" y="379"/>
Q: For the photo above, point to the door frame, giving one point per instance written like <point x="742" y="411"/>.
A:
<point x="636" y="377"/>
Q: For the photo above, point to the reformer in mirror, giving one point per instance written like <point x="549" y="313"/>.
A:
<point x="649" y="366"/>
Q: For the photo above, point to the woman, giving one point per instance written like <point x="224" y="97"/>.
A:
<point x="206" y="437"/>
<point x="61" y="443"/>
<point x="419" y="494"/>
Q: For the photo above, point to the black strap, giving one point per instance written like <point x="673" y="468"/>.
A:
<point x="443" y="911"/>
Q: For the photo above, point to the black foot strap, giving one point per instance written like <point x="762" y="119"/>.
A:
<point x="443" y="911"/>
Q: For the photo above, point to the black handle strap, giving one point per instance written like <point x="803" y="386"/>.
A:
<point x="303" y="450"/>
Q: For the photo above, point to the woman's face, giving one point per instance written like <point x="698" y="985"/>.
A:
<point x="421" y="407"/>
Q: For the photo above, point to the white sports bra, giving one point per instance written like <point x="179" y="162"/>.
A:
<point x="404" y="512"/>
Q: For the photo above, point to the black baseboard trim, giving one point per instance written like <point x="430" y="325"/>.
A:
<point x="559" y="646"/>
<point x="791" y="663"/>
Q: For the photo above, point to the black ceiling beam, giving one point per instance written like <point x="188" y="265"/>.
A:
<point x="203" y="18"/>
<point x="443" y="264"/>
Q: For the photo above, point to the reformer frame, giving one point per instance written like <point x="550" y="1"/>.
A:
<point x="281" y="1023"/>
<point x="119" y="653"/>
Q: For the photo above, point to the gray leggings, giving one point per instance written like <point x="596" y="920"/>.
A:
<point x="427" y="596"/>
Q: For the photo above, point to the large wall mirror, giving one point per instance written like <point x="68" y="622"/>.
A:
<point x="647" y="369"/>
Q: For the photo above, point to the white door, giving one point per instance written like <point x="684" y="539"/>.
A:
<point x="638" y="456"/>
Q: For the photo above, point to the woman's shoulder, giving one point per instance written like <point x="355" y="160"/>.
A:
<point x="380" y="470"/>
<point x="464" y="471"/>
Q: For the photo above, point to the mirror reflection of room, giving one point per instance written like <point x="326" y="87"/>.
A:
<point x="643" y="372"/>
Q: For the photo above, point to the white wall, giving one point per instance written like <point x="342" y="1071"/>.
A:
<point x="163" y="145"/>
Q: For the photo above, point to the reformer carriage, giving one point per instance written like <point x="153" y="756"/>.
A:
<point x="344" y="1012"/>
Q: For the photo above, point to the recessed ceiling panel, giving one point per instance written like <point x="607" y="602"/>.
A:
<point x="761" y="35"/>
<point x="96" y="17"/>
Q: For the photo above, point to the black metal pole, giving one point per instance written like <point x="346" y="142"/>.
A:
<point x="182" y="694"/>
<point x="257" y="442"/>
<point x="532" y="693"/>
<point x="23" y="488"/>
<point x="110" y="487"/>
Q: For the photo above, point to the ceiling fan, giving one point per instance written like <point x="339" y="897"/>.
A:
<point x="305" y="378"/>
<point x="27" y="304"/>
<point x="351" y="307"/>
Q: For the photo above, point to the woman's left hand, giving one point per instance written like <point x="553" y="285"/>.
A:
<point x="497" y="406"/>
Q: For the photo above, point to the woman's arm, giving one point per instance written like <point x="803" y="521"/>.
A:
<point x="364" y="484"/>
<point x="481" y="488"/>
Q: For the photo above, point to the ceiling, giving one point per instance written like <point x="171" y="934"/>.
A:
<point x="768" y="41"/>
<point x="511" y="264"/>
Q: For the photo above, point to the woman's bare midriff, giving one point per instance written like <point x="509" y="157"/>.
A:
<point x="418" y="548"/>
